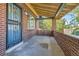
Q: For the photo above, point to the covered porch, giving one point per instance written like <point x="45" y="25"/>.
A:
<point x="32" y="38"/>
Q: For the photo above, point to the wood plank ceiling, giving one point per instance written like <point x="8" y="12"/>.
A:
<point x="66" y="8"/>
<point x="43" y="9"/>
<point x="55" y="10"/>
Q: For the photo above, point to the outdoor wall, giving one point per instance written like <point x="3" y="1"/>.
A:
<point x="26" y="33"/>
<point x="2" y="28"/>
<point x="69" y="44"/>
<point x="43" y="32"/>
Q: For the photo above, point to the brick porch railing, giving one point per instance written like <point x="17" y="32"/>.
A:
<point x="69" y="44"/>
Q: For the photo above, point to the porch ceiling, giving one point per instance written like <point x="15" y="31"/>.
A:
<point x="48" y="10"/>
<point x="55" y="10"/>
<point x="66" y="8"/>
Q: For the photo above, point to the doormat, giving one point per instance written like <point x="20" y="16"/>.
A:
<point x="44" y="45"/>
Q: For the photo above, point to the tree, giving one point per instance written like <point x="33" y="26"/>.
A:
<point x="59" y="25"/>
<point x="76" y="12"/>
<point x="45" y="24"/>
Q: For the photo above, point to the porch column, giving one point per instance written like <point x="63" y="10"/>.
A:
<point x="53" y="24"/>
<point x="37" y="24"/>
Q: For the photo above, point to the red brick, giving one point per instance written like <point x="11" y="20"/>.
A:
<point x="2" y="28"/>
<point x="69" y="45"/>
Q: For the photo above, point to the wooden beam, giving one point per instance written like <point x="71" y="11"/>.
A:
<point x="69" y="7"/>
<point x="44" y="18"/>
<point x="44" y="9"/>
<point x="46" y="6"/>
<point x="71" y="3"/>
<point x="59" y="9"/>
<point x="54" y="5"/>
<point x="66" y="9"/>
<point x="31" y="8"/>
<point x="45" y="14"/>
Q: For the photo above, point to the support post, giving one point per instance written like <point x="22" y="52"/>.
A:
<point x="53" y="24"/>
<point x="53" y="27"/>
<point x="37" y="26"/>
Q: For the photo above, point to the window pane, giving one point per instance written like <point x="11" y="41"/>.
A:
<point x="31" y="23"/>
<point x="10" y="11"/>
<point x="16" y="13"/>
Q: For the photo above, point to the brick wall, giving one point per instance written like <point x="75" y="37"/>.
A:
<point x="26" y="34"/>
<point x="2" y="28"/>
<point x="43" y="32"/>
<point x="69" y="45"/>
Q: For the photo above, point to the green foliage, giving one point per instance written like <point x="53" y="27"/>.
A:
<point x="77" y="19"/>
<point x="76" y="32"/>
<point x="76" y="11"/>
<point x="59" y="25"/>
<point x="66" y="26"/>
<point x="46" y="24"/>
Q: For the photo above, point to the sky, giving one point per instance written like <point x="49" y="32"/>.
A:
<point x="68" y="17"/>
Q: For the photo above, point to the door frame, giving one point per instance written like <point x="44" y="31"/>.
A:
<point x="7" y="24"/>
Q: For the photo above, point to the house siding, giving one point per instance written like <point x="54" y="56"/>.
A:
<point x="26" y="34"/>
<point x="2" y="28"/>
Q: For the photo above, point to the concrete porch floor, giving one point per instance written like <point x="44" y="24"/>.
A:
<point x="38" y="46"/>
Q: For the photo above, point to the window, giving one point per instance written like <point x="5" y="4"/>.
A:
<point x="31" y="23"/>
<point x="14" y="13"/>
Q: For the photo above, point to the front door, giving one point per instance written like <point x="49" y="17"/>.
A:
<point x="14" y="25"/>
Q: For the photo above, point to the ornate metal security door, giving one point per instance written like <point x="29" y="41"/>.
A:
<point x="14" y="25"/>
